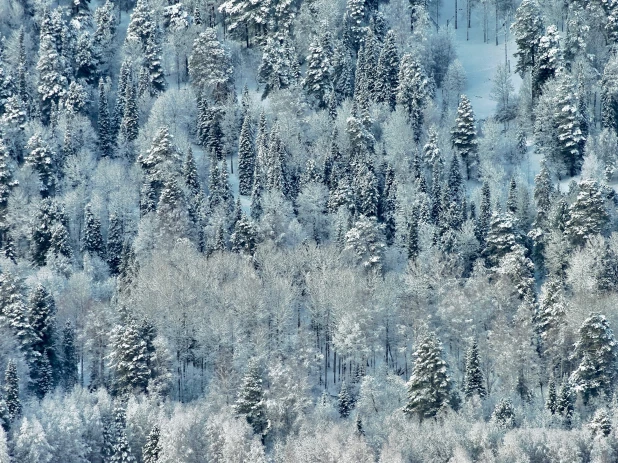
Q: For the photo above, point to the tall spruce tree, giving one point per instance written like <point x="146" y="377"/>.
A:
<point x="597" y="354"/>
<point x="129" y="124"/>
<point x="429" y="386"/>
<point x="246" y="157"/>
<point x="528" y="30"/>
<point x="152" y="449"/>
<point x="318" y="81"/>
<point x="250" y="402"/>
<point x="128" y="359"/>
<point x="115" y="240"/>
<point x="413" y="92"/>
<point x="566" y="402"/>
<point x="45" y="364"/>
<point x="244" y="237"/>
<point x="210" y="66"/>
<point x="500" y="239"/>
<point x="551" y="403"/>
<point x="344" y="401"/>
<point x="40" y="157"/>
<point x="104" y="123"/>
<point x="463" y="136"/>
<point x="11" y="391"/>
<point x="588" y="215"/>
<point x="474" y="382"/>
<point x="388" y="72"/>
<point x="93" y="240"/>
<point x="548" y="59"/>
<point x="69" y="357"/>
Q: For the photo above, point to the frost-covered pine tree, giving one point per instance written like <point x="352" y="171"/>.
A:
<point x="388" y="72"/>
<point x="550" y="320"/>
<point x="85" y="60"/>
<point x="49" y="213"/>
<point x="588" y="215"/>
<point x="413" y="238"/>
<point x="13" y="311"/>
<point x="344" y="401"/>
<point x="246" y="157"/>
<point x="429" y="386"/>
<point x="463" y="136"/>
<point x="153" y="65"/>
<point x="568" y="121"/>
<point x="279" y="66"/>
<point x="124" y="80"/>
<point x="413" y="91"/>
<point x="500" y="238"/>
<point x="366" y="242"/>
<point x="7" y="183"/>
<point x="129" y="268"/>
<point x="250" y="402"/>
<point x="51" y="66"/>
<point x="512" y="197"/>
<point x="431" y="150"/>
<point x="189" y="173"/>
<point x="159" y="163"/>
<point x="551" y="403"/>
<point x="128" y="359"/>
<point x="69" y="357"/>
<point x="11" y="391"/>
<point x="209" y="65"/>
<point x="122" y="451"/>
<point x="247" y="18"/>
<point x="543" y="194"/>
<point x="93" y="240"/>
<point x="129" y="124"/>
<point x="44" y="362"/>
<point x="504" y="414"/>
<point x="528" y="30"/>
<point x="318" y="81"/>
<point x="104" y="129"/>
<point x="173" y="221"/>
<point x="105" y="19"/>
<point x="367" y="194"/>
<point x="115" y="240"/>
<point x="609" y="94"/>
<point x="40" y="158"/>
<point x="548" y="59"/>
<point x="256" y="195"/>
<point x="566" y="402"/>
<point x="474" y="382"/>
<point x="601" y="423"/>
<point x="244" y="237"/>
<point x="274" y="162"/>
<point x="597" y="354"/>
<point x="141" y="25"/>
<point x="354" y="21"/>
<point x="152" y="449"/>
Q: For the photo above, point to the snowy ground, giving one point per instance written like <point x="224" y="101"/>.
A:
<point x="479" y="59"/>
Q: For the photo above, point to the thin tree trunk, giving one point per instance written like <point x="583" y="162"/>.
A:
<point x="496" y="23"/>
<point x="455" y="14"/>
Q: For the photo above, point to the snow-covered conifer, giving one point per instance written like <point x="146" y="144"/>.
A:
<point x="474" y="382"/>
<point x="464" y="136"/>
<point x="596" y="353"/>
<point x="250" y="402"/>
<point x="429" y="386"/>
<point x="246" y="157"/>
<point x="344" y="401"/>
